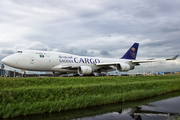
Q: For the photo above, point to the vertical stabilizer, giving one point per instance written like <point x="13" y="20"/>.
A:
<point x="132" y="52"/>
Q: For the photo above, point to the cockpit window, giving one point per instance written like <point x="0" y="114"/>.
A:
<point x="41" y="56"/>
<point x="19" y="51"/>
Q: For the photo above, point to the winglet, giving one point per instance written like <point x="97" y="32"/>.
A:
<point x="174" y="58"/>
<point x="132" y="52"/>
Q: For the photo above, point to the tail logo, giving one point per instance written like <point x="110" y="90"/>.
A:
<point x="133" y="52"/>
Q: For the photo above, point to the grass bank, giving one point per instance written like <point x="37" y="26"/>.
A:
<point x="23" y="96"/>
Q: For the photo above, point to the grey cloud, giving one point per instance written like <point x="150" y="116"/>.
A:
<point x="76" y="51"/>
<point x="149" y="19"/>
<point x="4" y="53"/>
<point x="164" y="48"/>
<point x="7" y="51"/>
<point x="172" y="5"/>
<point x="37" y="46"/>
<point x="145" y="11"/>
<point x="105" y="53"/>
<point x="168" y="29"/>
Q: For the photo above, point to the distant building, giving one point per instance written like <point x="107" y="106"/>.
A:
<point x="7" y="73"/>
<point x="4" y="73"/>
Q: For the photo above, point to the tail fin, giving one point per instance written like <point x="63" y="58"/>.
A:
<point x="132" y="52"/>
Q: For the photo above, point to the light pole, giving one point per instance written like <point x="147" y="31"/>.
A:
<point x="2" y="67"/>
<point x="14" y="73"/>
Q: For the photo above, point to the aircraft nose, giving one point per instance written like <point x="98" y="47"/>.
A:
<point x="4" y="60"/>
<point x="9" y="60"/>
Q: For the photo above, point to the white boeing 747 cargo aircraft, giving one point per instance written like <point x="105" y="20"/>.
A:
<point x="68" y="63"/>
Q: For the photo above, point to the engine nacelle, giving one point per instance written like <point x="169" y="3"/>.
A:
<point x="124" y="67"/>
<point x="85" y="70"/>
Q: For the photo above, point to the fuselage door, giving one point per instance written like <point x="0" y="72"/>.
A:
<point x="32" y="60"/>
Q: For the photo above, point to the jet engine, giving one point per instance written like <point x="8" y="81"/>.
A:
<point x="85" y="70"/>
<point x="124" y="67"/>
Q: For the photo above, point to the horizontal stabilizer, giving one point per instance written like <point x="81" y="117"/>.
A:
<point x="174" y="58"/>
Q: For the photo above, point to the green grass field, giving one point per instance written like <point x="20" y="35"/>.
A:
<point x="24" y="96"/>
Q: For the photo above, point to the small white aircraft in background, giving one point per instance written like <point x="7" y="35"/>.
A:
<point x="68" y="63"/>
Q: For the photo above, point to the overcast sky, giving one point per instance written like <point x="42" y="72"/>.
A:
<point x="105" y="28"/>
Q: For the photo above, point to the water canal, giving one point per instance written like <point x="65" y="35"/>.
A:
<point x="156" y="108"/>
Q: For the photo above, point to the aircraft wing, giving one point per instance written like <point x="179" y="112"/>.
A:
<point x="136" y="62"/>
<point x="153" y="60"/>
